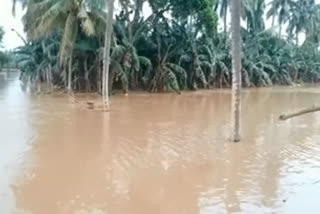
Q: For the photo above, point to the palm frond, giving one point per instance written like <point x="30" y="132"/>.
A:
<point x="185" y="58"/>
<point x="87" y="24"/>
<point x="118" y="52"/>
<point x="47" y="20"/>
<point x="120" y="73"/>
<point x="69" y="37"/>
<point x="171" y="81"/>
<point x="201" y="76"/>
<point x="180" y="73"/>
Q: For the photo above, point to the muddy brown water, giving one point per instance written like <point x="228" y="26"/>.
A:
<point x="159" y="154"/>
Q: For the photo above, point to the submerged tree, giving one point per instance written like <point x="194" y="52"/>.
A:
<point x="236" y="70"/>
<point x="106" y="61"/>
<point x="46" y="17"/>
<point x="175" y="48"/>
<point x="5" y="56"/>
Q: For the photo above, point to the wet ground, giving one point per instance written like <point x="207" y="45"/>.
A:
<point x="159" y="154"/>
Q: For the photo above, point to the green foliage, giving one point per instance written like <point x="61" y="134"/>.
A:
<point x="202" y="10"/>
<point x="180" y="80"/>
<point x="5" y="57"/>
<point x="280" y="9"/>
<point x="33" y="58"/>
<point x="45" y="17"/>
<point x="254" y="15"/>
<point x="176" y="48"/>
<point x="1" y="34"/>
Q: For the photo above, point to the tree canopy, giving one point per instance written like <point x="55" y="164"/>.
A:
<point x="177" y="47"/>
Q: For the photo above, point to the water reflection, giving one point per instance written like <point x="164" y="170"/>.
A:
<point x="160" y="154"/>
<point x="16" y="136"/>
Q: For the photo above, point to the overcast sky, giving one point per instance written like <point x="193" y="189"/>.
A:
<point x="7" y="21"/>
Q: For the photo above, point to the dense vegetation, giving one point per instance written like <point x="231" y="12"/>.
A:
<point x="5" y="57"/>
<point x="177" y="47"/>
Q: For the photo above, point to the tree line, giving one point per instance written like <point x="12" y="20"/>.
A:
<point x="6" y="57"/>
<point x="177" y="47"/>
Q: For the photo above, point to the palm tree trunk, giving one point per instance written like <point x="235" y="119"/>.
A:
<point x="47" y="79"/>
<point x="70" y="73"/>
<point x="99" y="79"/>
<point x="86" y="74"/>
<point x="130" y="30"/>
<point x="135" y="19"/>
<point x="65" y="75"/>
<point x="106" y="64"/>
<point x="236" y="70"/>
<point x="225" y="25"/>
<point x="50" y="77"/>
<point x="280" y="29"/>
<point x="273" y="20"/>
<point x="38" y="82"/>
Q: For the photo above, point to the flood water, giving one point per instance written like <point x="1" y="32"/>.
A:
<point x="158" y="154"/>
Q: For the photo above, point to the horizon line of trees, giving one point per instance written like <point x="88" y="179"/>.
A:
<point x="177" y="47"/>
<point x="6" y="57"/>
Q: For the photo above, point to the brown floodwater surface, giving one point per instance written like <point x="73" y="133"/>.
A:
<point x="158" y="153"/>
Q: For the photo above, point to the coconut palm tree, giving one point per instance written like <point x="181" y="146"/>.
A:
<point x="223" y="6"/>
<point x="311" y="13"/>
<point x="106" y="62"/>
<point x="280" y="9"/>
<point x="305" y="17"/>
<point x="43" y="18"/>
<point x="132" y="9"/>
<point x="297" y="22"/>
<point x="236" y="69"/>
<point x="161" y="53"/>
<point x="253" y="14"/>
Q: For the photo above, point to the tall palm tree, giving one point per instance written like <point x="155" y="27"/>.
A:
<point x="310" y="12"/>
<point x="106" y="63"/>
<point x="236" y="69"/>
<point x="305" y="16"/>
<point x="223" y="6"/>
<point x="296" y="23"/>
<point x="253" y="12"/>
<point x="273" y="11"/>
<point x="134" y="9"/>
<point x="42" y="18"/>
<point x="280" y="9"/>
